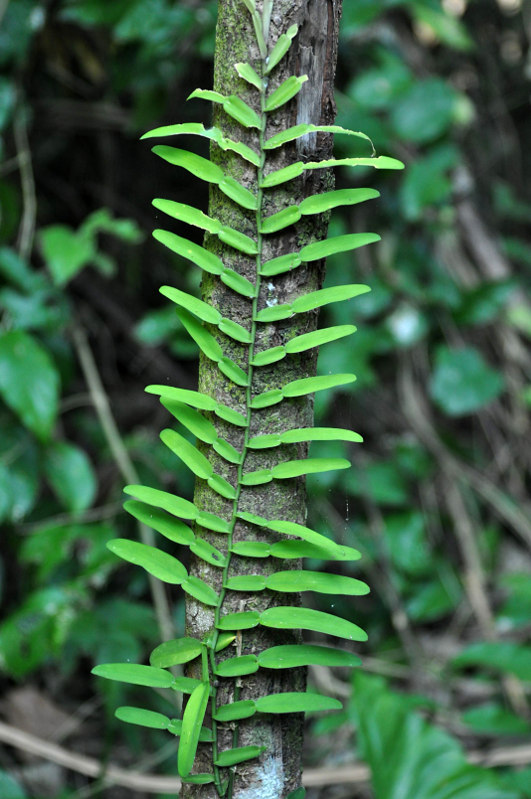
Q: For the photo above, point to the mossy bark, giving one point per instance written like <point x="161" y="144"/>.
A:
<point x="313" y="53"/>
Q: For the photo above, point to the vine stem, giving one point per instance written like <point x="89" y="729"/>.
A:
<point x="245" y="448"/>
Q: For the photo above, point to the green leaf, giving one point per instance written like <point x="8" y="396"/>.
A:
<point x="29" y="382"/>
<point x="308" y="385"/>
<point x="231" y="416"/>
<point x="222" y="487"/>
<point x="319" y="203"/>
<point x="212" y="522"/>
<point x="66" y="252"/>
<point x="266" y="399"/>
<point x="246" y="582"/>
<point x="239" y="621"/>
<point x="301" y="549"/>
<point x="187" y="213"/>
<point x="198" y="779"/>
<point x="265" y="441"/>
<point x="318" y="337"/>
<point x="324" y="544"/>
<point x="214" y="134"/>
<point x="294" y="702"/>
<point x="238" y="666"/>
<point x="144" y="718"/>
<point x="235" y="331"/>
<point x="463" y="382"/>
<point x="297" y="131"/>
<point x="321" y="582"/>
<point x="274" y="313"/>
<point x="323" y="249"/>
<point x="236" y="108"/>
<point x="198" y="166"/>
<point x="295" y="655"/>
<point x="193" y="252"/>
<point x="177" y="506"/>
<point x="238" y="240"/>
<point x="243" y="709"/>
<point x="224" y="640"/>
<point x="282" y="219"/>
<point x="238" y="193"/>
<point x="233" y="756"/>
<point x="134" y="674"/>
<point x="257" y="478"/>
<point x="156" y="562"/>
<point x="227" y="451"/>
<point x="280" y="49"/>
<point x="200" y="591"/>
<point x="299" y="793"/>
<point x="69" y="472"/>
<point x="175" y="652"/>
<point x="176" y="726"/>
<point x="193" y="716"/>
<point x="203" y="310"/>
<point x="204" y="340"/>
<point x="289" y="469"/>
<point x="246" y="72"/>
<point x="208" y="553"/>
<point x="194" y="421"/>
<point x="193" y="398"/>
<point x="166" y="525"/>
<point x="280" y="176"/>
<point x="207" y="94"/>
<point x="251" y="549"/>
<point x="285" y="92"/>
<point x="252" y="518"/>
<point x="269" y="356"/>
<point x="299" y="435"/>
<point x="317" y="299"/>
<point x="234" y="372"/>
<point x="290" y="618"/>
<point x="195" y="460"/>
<point x="381" y="162"/>
<point x="284" y="263"/>
<point x="238" y="283"/>
<point x="185" y="685"/>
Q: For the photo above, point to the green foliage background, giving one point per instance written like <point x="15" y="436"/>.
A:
<point x="437" y="500"/>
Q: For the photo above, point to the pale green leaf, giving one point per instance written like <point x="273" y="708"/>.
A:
<point x="274" y="313"/>
<point x="175" y="652"/>
<point x="319" y="203"/>
<point x="183" y="128"/>
<point x="204" y="340"/>
<point x="144" y="718"/>
<point x="200" y="591"/>
<point x="193" y="252"/>
<point x="297" y="468"/>
<point x="269" y="356"/>
<point x="323" y="583"/>
<point x="239" y="755"/>
<point x="155" y="561"/>
<point x="280" y="176"/>
<point x="252" y="518"/>
<point x="237" y="283"/>
<point x="185" y="685"/>
<point x="281" y="47"/>
<point x="234" y="372"/>
<point x="134" y="674"/>
<point x="193" y="398"/>
<point x="293" y="550"/>
<point x="282" y="219"/>
<point x="187" y="213"/>
<point x="194" y="421"/>
<point x="285" y="92"/>
<point x="318" y="337"/>
<point x="205" y="736"/>
<point x="207" y="94"/>
<point x="239" y="110"/>
<point x="246" y="582"/>
<point x="246" y="72"/>
<point x="243" y="709"/>
<point x="266" y="399"/>
<point x="231" y="416"/>
<point x="323" y="249"/>
<point x="212" y="522"/>
<point x="251" y="549"/>
<point x="237" y="666"/>
<point x="195" y="460"/>
<point x="193" y="716"/>
<point x="296" y="132"/>
<point x="177" y="506"/>
<point x="307" y="385"/>
<point x="260" y="477"/>
<point x="333" y="550"/>
<point x="203" y="310"/>
<point x="318" y="434"/>
<point x="235" y="331"/>
<point x="265" y="441"/>
<point x="239" y="621"/>
<point x="227" y="451"/>
<point x="222" y="486"/>
<point x="380" y="162"/>
<point x="284" y="263"/>
<point x="290" y="618"/>
<point x="166" y="525"/>
<point x="295" y="655"/>
<point x="238" y="240"/>
<point x="294" y="702"/>
<point x="238" y="193"/>
<point x="214" y="134"/>
<point x="204" y="550"/>
<point x="317" y="299"/>
<point x="198" y="166"/>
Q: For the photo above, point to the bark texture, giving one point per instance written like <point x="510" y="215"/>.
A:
<point x="313" y="53"/>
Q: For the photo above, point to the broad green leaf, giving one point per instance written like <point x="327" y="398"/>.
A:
<point x="198" y="166"/>
<point x="246" y="582"/>
<point x="269" y="356"/>
<point x="290" y="618"/>
<point x="238" y="193"/>
<point x="241" y="112"/>
<point x="238" y="666"/>
<point x="316" y="299"/>
<point x="195" y="460"/>
<point x="293" y="702"/>
<point x="246" y="72"/>
<point x="284" y="263"/>
<point x="207" y="552"/>
<point x="193" y="398"/>
<point x="239" y="621"/>
<point x="251" y="549"/>
<point x="323" y="249"/>
<point x="307" y="385"/>
<point x="205" y="736"/>
<point x="188" y="249"/>
<point x="177" y="506"/>
<point x="175" y="652"/>
<point x="318" y="337"/>
<point x="233" y="756"/>
<point x="200" y="591"/>
<point x="380" y="162"/>
<point x="274" y="313"/>
<point x="295" y="655"/>
<point x="144" y="718"/>
<point x="222" y="486"/>
<point x="238" y="240"/>
<point x="235" y="331"/>
<point x="194" y="421"/>
<point x="318" y="434"/>
<point x="243" y="709"/>
<point x="187" y="213"/>
<point x="227" y="451"/>
<point x="281" y="47"/>
<point x="204" y="340"/>
<point x="234" y="372"/>
<point x="321" y="582"/>
<point x="193" y="716"/>
<point x="285" y="92"/>
<point x="214" y="134"/>
<point x="166" y="525"/>
<point x="70" y="474"/>
<point x="203" y="310"/>
<point x="283" y="471"/>
<point x="265" y="441"/>
<point x="212" y="522"/>
<point x="156" y="562"/>
<point x="290" y="134"/>
<point x="238" y="283"/>
<point x="280" y="176"/>
<point x="257" y="478"/>
<point x="463" y="382"/>
<point x="266" y="399"/>
<point x="282" y="219"/>
<point x="29" y="382"/>
<point x="319" y="203"/>
<point x="134" y="674"/>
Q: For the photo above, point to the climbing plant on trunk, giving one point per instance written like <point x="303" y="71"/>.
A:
<point x="263" y="261"/>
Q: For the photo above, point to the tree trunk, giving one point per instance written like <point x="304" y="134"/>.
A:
<point x="277" y="771"/>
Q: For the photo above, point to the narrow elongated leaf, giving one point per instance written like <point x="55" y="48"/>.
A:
<point x="269" y="356"/>
<point x="193" y="716"/>
<point x="195" y="460"/>
<point x="203" y="310"/>
<point x="307" y="385"/>
<point x="319" y="434"/>
<point x="252" y="518"/>
<point x="194" y="421"/>
<point x="134" y="674"/>
<point x="144" y="718"/>
<point x="290" y="550"/>
<point x="193" y="252"/>
<point x="246" y="582"/>
<point x="281" y="47"/>
<point x="185" y="685"/>
<point x="227" y="451"/>
<point x="290" y="134"/>
<point x="166" y="525"/>
<point x="290" y="618"/>
<point x="238" y="193"/>
<point x="222" y="486"/>
<point x="243" y="709"/>
<point x="316" y="299"/>
<point x="198" y="166"/>
<point x="156" y="562"/>
<point x="380" y="162"/>
<point x="235" y="331"/>
<point x="224" y="640"/>
<point x="334" y="551"/>
<point x="205" y="736"/>
<point x="239" y="755"/>
<point x="207" y="94"/>
<point x="193" y="398"/>
<point x="323" y="249"/>
<point x="251" y="549"/>
<point x="283" y="471"/>
<point x="238" y="240"/>
<point x="233" y="372"/>
<point x="283" y="175"/>
<point x="265" y="441"/>
<point x="183" y="128"/>
<point x="319" y="203"/>
<point x="204" y="340"/>
<point x="175" y="652"/>
<point x="238" y="283"/>
<point x="246" y="72"/>
<point x="293" y="702"/>
<point x="187" y="213"/>
<point x="266" y="399"/>
<point x="257" y="478"/>
<point x="321" y="582"/>
<point x="238" y="666"/>
<point x="207" y="552"/>
<point x="161" y="499"/>
<point x="239" y="621"/>
<point x="282" y="219"/>
<point x="274" y="313"/>
<point x="212" y="522"/>
<point x="231" y="416"/>
<point x="295" y="655"/>
<point x="285" y="92"/>
<point x="284" y="263"/>
<point x="318" y="337"/>
<point x="200" y="590"/>
<point x="241" y="112"/>
<point x="214" y="134"/>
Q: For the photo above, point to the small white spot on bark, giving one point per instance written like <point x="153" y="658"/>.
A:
<point x="268" y="781"/>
